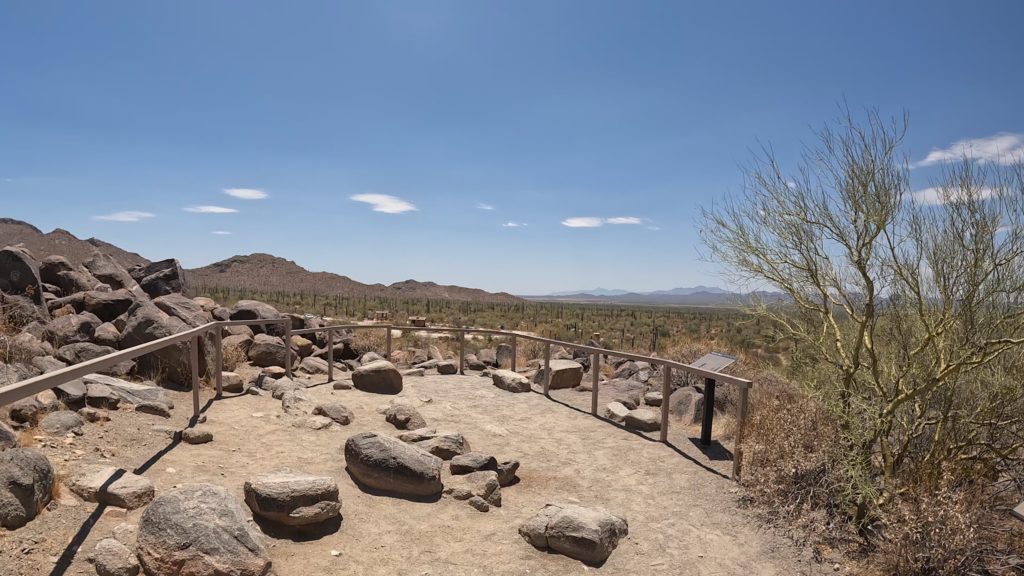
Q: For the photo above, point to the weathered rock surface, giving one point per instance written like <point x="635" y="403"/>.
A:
<point x="182" y="308"/>
<point x="687" y="405"/>
<point x="26" y="481"/>
<point x="107" y="335"/>
<point x="61" y="422"/>
<point x="8" y="439"/>
<point x="197" y="435"/>
<point x="336" y="411"/>
<point x="153" y="408"/>
<point x="444" y="445"/>
<point x="653" y="398"/>
<point x="71" y="329"/>
<point x="269" y="351"/>
<point x="447" y="367"/>
<point x="507" y="472"/>
<point x="160" y="278"/>
<point x="199" y="530"/>
<point x="112" y="558"/>
<point x="510" y="381"/>
<point x="380" y="377"/>
<point x="503" y="355"/>
<point x="404" y="417"/>
<point x="232" y="382"/>
<point x="616" y="412"/>
<point x="297" y="403"/>
<point x="586" y="534"/>
<point x="389" y="464"/>
<point x="107" y="306"/>
<point x="564" y="374"/>
<point x="19" y="274"/>
<point x="488" y="357"/>
<point x="292" y="498"/>
<point x="255" y="310"/>
<point x="47" y="364"/>
<point x="482" y="484"/>
<point x="472" y="462"/>
<point x="641" y="419"/>
<point x="101" y="396"/>
<point x="111" y="486"/>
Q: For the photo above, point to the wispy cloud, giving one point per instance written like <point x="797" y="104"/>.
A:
<point x="209" y="209"/>
<point x="220" y="232"/>
<point x="128" y="216"/>
<point x="653" y="228"/>
<point x="385" y="203"/>
<point x="583" y="222"/>
<point x="934" y="195"/>
<point x="246" y="193"/>
<point x="513" y="224"/>
<point x="591" y="222"/>
<point x="485" y="206"/>
<point x="1003" y="147"/>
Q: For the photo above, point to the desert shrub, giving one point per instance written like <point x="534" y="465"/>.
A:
<point x="233" y="357"/>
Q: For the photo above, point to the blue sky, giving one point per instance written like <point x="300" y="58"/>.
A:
<point x="395" y="140"/>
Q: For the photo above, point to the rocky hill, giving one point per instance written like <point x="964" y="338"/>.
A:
<point x="62" y="243"/>
<point x="268" y="273"/>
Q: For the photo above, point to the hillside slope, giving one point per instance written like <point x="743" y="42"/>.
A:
<point x="61" y="243"/>
<point x="267" y="273"/>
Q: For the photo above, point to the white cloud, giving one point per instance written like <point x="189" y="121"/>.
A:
<point x="129" y="216"/>
<point x="210" y="209"/>
<point x="583" y="222"/>
<point x="653" y="228"/>
<point x="385" y="203"/>
<point x="1004" y="148"/>
<point x="246" y="193"/>
<point x="513" y="225"/>
<point x="934" y="196"/>
<point x="485" y="206"/>
<point x="591" y="222"/>
<point x="221" y="232"/>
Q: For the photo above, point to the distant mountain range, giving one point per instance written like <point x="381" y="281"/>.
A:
<point x="255" y="272"/>
<point x="617" y="292"/>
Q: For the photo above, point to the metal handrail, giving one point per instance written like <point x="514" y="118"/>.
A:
<point x="53" y="379"/>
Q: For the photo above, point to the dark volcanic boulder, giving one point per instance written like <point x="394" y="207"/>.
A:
<point x="292" y="498"/>
<point x="385" y="463"/>
<point x="107" y="335"/>
<point x="687" y="405"/>
<point x="108" y="271"/>
<point x="200" y="530"/>
<point x="71" y="329"/>
<point x="185" y="309"/>
<point x="74" y="281"/>
<point x="107" y="306"/>
<point x="8" y="439"/>
<point x="85" y="351"/>
<point x="26" y="482"/>
<point x="160" y="278"/>
<point x="380" y="377"/>
<point x="255" y="310"/>
<point x="586" y="534"/>
<point x="51" y="267"/>
<point x="564" y="374"/>
<point x="269" y="351"/>
<point x="147" y="323"/>
<point x="404" y="417"/>
<point x="19" y="274"/>
<point x="21" y="310"/>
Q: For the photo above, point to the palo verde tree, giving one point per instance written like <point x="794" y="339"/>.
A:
<point x="906" y="308"/>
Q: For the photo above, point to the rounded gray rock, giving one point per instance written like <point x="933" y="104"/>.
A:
<point x="292" y="498"/>
<point x="389" y="464"/>
<point x="26" y="482"/>
<point x="380" y="377"/>
<point x="199" y="529"/>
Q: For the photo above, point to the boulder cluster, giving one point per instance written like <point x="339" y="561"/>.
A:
<point x="65" y="315"/>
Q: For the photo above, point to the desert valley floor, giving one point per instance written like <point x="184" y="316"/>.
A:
<point x="681" y="507"/>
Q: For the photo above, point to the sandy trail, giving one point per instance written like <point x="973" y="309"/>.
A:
<point x="681" y="507"/>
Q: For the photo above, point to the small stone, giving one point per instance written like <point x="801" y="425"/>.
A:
<point x="335" y="411"/>
<point x="507" y="472"/>
<point x="112" y="558"/>
<point x="316" y="423"/>
<point x="404" y="417"/>
<point x="154" y="408"/>
<point x="616" y="412"/>
<point x="479" y="503"/>
<point x="646" y="420"/>
<point x="342" y="385"/>
<point x="653" y="398"/>
<point x="197" y="435"/>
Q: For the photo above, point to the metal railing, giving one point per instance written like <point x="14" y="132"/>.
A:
<point x="53" y="379"/>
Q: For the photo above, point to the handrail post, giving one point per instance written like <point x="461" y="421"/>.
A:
<point x="709" y="412"/>
<point x="194" y="360"/>
<point x="514" y="353"/>
<point x="737" y="450"/>
<point x="595" y="369"/>
<point x="218" y="335"/>
<point x="462" y="351"/>
<point x="330" y="356"/>
<point x="388" y="353"/>
<point x="288" y="347"/>
<point x="666" y="392"/>
<point x="547" y="367"/>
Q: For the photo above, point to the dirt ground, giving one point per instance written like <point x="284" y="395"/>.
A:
<point x="680" y="505"/>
